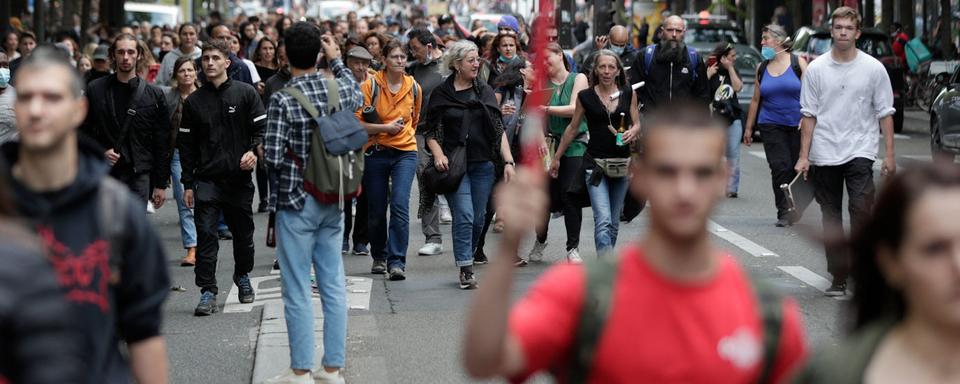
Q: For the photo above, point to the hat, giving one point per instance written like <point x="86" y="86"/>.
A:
<point x="101" y="53"/>
<point x="359" y="53"/>
<point x="508" y="21"/>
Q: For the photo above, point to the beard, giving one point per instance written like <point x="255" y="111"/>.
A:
<point x="670" y="51"/>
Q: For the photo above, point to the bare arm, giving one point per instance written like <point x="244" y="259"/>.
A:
<point x="889" y="157"/>
<point x="735" y="80"/>
<point x="148" y="361"/>
<point x="807" y="124"/>
<point x="752" y="115"/>
<point x="434" y="147"/>
<point x="579" y="84"/>
<point x="571" y="132"/>
<point x="634" y="132"/>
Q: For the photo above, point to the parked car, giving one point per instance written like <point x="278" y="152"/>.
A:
<point x="704" y="35"/>
<point x="810" y="43"/>
<point x="945" y="119"/>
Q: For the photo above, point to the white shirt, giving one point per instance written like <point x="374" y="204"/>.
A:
<point x="848" y="100"/>
<point x="254" y="75"/>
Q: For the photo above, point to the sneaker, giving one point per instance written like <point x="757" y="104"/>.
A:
<point x="467" y="279"/>
<point x="322" y="376"/>
<point x="150" y="209"/>
<point x="445" y="216"/>
<point x="836" y="289"/>
<point x="225" y="234"/>
<point x="431" y="249"/>
<point x="379" y="267"/>
<point x="732" y="195"/>
<point x="262" y="208"/>
<point x="207" y="305"/>
<point x="246" y="289"/>
<point x="536" y="254"/>
<point x="480" y="258"/>
<point x="784" y="222"/>
<point x="573" y="256"/>
<point x="345" y="249"/>
<point x="276" y="264"/>
<point x="519" y="262"/>
<point x="396" y="274"/>
<point x="360" y="250"/>
<point x="290" y="378"/>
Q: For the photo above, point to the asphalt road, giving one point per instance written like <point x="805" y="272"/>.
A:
<point x="412" y="329"/>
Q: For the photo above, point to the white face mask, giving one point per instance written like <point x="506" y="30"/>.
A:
<point x="4" y="77"/>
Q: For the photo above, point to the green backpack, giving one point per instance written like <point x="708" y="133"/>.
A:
<point x="596" y="308"/>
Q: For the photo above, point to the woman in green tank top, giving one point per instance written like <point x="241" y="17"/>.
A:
<point x="559" y="110"/>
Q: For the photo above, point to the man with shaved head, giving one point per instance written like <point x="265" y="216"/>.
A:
<point x="618" y="41"/>
<point x="671" y="70"/>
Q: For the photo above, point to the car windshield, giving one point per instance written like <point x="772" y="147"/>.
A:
<point x="713" y="35"/>
<point x="747" y="62"/>
<point x="875" y="46"/>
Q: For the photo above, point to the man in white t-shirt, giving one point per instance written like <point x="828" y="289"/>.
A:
<point x="845" y="99"/>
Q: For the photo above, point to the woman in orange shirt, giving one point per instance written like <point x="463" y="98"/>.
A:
<point x="390" y="114"/>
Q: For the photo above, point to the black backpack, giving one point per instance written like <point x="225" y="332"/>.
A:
<point x="600" y="278"/>
<point x="794" y="64"/>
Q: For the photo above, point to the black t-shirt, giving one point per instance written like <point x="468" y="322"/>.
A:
<point x="603" y="143"/>
<point x="478" y="143"/>
<point x="265" y="73"/>
<point x="122" y="93"/>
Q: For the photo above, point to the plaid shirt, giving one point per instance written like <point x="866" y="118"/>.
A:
<point x="289" y="129"/>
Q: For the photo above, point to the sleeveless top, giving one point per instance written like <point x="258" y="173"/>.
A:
<point x="603" y="143"/>
<point x="561" y="97"/>
<point x="780" y="99"/>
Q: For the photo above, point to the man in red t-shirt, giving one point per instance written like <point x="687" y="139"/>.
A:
<point x="682" y="311"/>
<point x="899" y="41"/>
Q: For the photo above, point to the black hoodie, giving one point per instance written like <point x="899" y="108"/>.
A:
<point x="104" y="311"/>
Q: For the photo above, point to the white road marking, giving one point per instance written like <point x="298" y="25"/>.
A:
<point x="754" y="249"/>
<point x="760" y="154"/>
<point x="900" y="136"/>
<point x="358" y="294"/>
<point x="807" y="276"/>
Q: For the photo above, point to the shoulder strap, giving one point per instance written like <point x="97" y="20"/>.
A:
<point x="302" y="100"/>
<point x="416" y="90"/>
<point x="374" y="92"/>
<point x="694" y="58"/>
<point x="795" y="64"/>
<point x="137" y="95"/>
<point x="333" y="96"/>
<point x="597" y="301"/>
<point x="114" y="203"/>
<point x="761" y="70"/>
<point x="648" y="58"/>
<point x="771" y="308"/>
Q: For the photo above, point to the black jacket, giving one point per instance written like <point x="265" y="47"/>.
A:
<point x="38" y="345"/>
<point x="218" y="126"/>
<point x="106" y="308"/>
<point x="144" y="139"/>
<point x="669" y="82"/>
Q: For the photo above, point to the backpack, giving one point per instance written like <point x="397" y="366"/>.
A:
<point x="691" y="54"/>
<point x="113" y="202"/>
<point x="375" y="88"/>
<point x="794" y="64"/>
<point x="333" y="171"/>
<point x="598" y="300"/>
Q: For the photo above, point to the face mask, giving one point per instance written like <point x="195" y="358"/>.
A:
<point x="617" y="50"/>
<point x="4" y="77"/>
<point x="768" y="53"/>
<point x="504" y="59"/>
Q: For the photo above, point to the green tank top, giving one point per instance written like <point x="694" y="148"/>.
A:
<point x="561" y="97"/>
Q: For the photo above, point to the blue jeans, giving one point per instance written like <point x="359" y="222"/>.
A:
<point x="188" y="230"/>
<point x="379" y="169"/>
<point x="308" y="237"/>
<point x="468" y="206"/>
<point x="734" y="136"/>
<point x="606" y="199"/>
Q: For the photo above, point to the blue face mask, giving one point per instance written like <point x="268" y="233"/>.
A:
<point x="4" y="77"/>
<point x="768" y="53"/>
<point x="617" y="50"/>
<point x="504" y="59"/>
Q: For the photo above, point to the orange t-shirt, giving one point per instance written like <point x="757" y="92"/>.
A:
<point x="391" y="106"/>
<point x="658" y="331"/>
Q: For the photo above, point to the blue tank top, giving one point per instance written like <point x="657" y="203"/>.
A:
<point x="780" y="99"/>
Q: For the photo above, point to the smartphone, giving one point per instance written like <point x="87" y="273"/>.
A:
<point x="711" y="61"/>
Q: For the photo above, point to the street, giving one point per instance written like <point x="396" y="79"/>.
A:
<point x="410" y="331"/>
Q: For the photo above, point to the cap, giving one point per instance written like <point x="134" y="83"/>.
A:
<point x="359" y="53"/>
<point x="508" y="21"/>
<point x="101" y="53"/>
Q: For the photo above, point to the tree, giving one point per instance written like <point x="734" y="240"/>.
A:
<point x="946" y="24"/>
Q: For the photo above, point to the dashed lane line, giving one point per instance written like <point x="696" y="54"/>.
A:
<point x="754" y="249"/>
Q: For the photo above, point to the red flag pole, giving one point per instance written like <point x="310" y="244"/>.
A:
<point x="532" y="137"/>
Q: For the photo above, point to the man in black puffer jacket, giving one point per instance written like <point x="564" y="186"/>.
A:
<point x="129" y="118"/>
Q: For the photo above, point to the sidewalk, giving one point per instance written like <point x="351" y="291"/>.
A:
<point x="273" y="347"/>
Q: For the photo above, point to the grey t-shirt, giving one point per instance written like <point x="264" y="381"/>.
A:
<point x="429" y="77"/>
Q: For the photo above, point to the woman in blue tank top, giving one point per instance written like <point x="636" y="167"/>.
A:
<point x="775" y="111"/>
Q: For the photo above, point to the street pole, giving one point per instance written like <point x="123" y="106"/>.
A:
<point x="946" y="45"/>
<point x="39" y="25"/>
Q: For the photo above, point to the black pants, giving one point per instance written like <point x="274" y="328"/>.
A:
<point x="358" y="224"/>
<point x="235" y="201"/>
<point x="828" y="184"/>
<point x="781" y="144"/>
<point x="139" y="183"/>
<point x="570" y="170"/>
<point x="262" y="181"/>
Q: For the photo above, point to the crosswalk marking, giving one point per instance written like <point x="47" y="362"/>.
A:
<point x="358" y="294"/>
<point x="754" y="249"/>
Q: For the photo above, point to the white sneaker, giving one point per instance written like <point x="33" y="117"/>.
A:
<point x="536" y="254"/>
<point x="323" y="376"/>
<point x="431" y="249"/>
<point x="574" y="256"/>
<point x="291" y="378"/>
<point x="150" y="209"/>
<point x="445" y="216"/>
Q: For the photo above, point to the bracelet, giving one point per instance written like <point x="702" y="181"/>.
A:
<point x="510" y="163"/>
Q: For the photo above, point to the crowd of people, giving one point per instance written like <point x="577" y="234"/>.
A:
<point x="226" y="112"/>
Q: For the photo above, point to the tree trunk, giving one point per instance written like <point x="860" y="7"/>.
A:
<point x="39" y="24"/>
<point x="69" y="8"/>
<point x="886" y="14"/>
<point x="906" y="16"/>
<point x="84" y="22"/>
<point x="946" y="45"/>
<point x="868" y="13"/>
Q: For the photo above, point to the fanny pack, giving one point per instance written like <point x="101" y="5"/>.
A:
<point x="614" y="168"/>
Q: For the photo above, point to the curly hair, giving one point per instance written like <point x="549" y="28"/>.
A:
<point x="456" y="52"/>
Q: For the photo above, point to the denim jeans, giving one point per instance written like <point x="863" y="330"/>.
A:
<point x="606" y="199"/>
<point x="188" y="230"/>
<point x="734" y="136"/>
<point x="468" y="206"/>
<point x="380" y="168"/>
<point x="305" y="238"/>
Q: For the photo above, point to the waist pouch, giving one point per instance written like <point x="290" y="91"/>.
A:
<point x="614" y="168"/>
